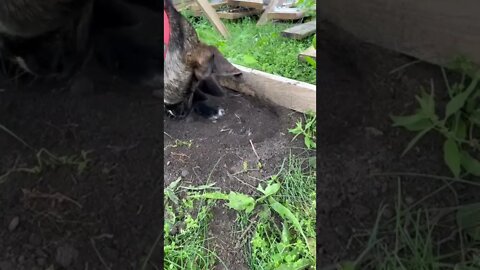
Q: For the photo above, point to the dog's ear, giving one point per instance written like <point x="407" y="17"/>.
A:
<point x="221" y="66"/>
<point x="207" y="63"/>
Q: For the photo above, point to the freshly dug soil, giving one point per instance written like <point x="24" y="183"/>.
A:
<point x="217" y="154"/>
<point x="357" y="93"/>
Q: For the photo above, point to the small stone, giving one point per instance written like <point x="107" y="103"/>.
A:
<point x="185" y="173"/>
<point x="66" y="255"/>
<point x="14" y="223"/>
<point x="374" y="131"/>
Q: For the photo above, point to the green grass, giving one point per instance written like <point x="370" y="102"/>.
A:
<point x="278" y="225"/>
<point x="421" y="238"/>
<point x="275" y="242"/>
<point x="185" y="232"/>
<point x="261" y="47"/>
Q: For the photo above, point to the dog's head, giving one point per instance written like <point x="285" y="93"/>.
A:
<point x="207" y="63"/>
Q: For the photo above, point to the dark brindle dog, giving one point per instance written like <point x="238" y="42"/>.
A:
<point x="191" y="70"/>
<point x="54" y="39"/>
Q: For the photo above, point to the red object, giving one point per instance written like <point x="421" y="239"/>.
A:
<point x="166" y="33"/>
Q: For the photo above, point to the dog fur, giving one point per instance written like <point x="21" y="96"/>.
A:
<point x="55" y="38"/>
<point x="192" y="70"/>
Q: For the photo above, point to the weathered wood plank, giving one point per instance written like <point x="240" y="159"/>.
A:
<point x="292" y="94"/>
<point x="213" y="17"/>
<point x="281" y="13"/>
<point x="301" y="31"/>
<point x="310" y="52"/>
<point x="256" y="4"/>
<point x="271" y="6"/>
<point x="436" y="31"/>
<point x="237" y="15"/>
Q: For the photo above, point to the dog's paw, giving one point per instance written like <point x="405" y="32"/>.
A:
<point x="220" y="113"/>
<point x="209" y="112"/>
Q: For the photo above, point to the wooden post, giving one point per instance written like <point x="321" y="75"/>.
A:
<point x="264" y="18"/>
<point x="213" y="17"/>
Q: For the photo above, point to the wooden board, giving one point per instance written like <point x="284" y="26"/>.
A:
<point x="292" y="94"/>
<point x="436" y="31"/>
<point x="237" y="15"/>
<point x="271" y="6"/>
<point x="256" y="4"/>
<point x="285" y="14"/>
<point x="301" y="31"/>
<point x="213" y="17"/>
<point x="310" y="52"/>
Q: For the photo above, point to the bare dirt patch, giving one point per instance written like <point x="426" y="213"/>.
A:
<point x="357" y="94"/>
<point x="111" y="211"/>
<point x="220" y="152"/>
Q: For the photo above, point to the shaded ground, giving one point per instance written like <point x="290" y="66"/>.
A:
<point x="217" y="154"/>
<point x="110" y="211"/>
<point x="357" y="93"/>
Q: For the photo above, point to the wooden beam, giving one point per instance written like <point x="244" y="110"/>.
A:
<point x="301" y="31"/>
<point x="264" y="18"/>
<point x="310" y="52"/>
<point x="256" y="4"/>
<point x="237" y="15"/>
<point x="213" y="17"/>
<point x="292" y="94"/>
<point x="435" y="31"/>
<point x="281" y="13"/>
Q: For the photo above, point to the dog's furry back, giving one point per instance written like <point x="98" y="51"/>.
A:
<point x="178" y="75"/>
<point x="30" y="18"/>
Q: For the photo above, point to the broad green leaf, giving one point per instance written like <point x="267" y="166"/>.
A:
<point x="211" y="196"/>
<point x="285" y="233"/>
<point x="451" y="155"/>
<point x="468" y="218"/>
<point x="470" y="164"/>
<point x="297" y="130"/>
<point x="457" y="102"/>
<point x="475" y="117"/>
<point x="286" y="214"/>
<point x="310" y="60"/>
<point x="272" y="189"/>
<point x="420" y="125"/>
<point x="427" y="103"/>
<point x="410" y="121"/>
<point x="461" y="129"/>
<point x="241" y="202"/>
<point x="416" y="139"/>
<point x="314" y="42"/>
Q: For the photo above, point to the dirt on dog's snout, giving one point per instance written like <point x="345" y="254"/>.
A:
<point x="218" y="151"/>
